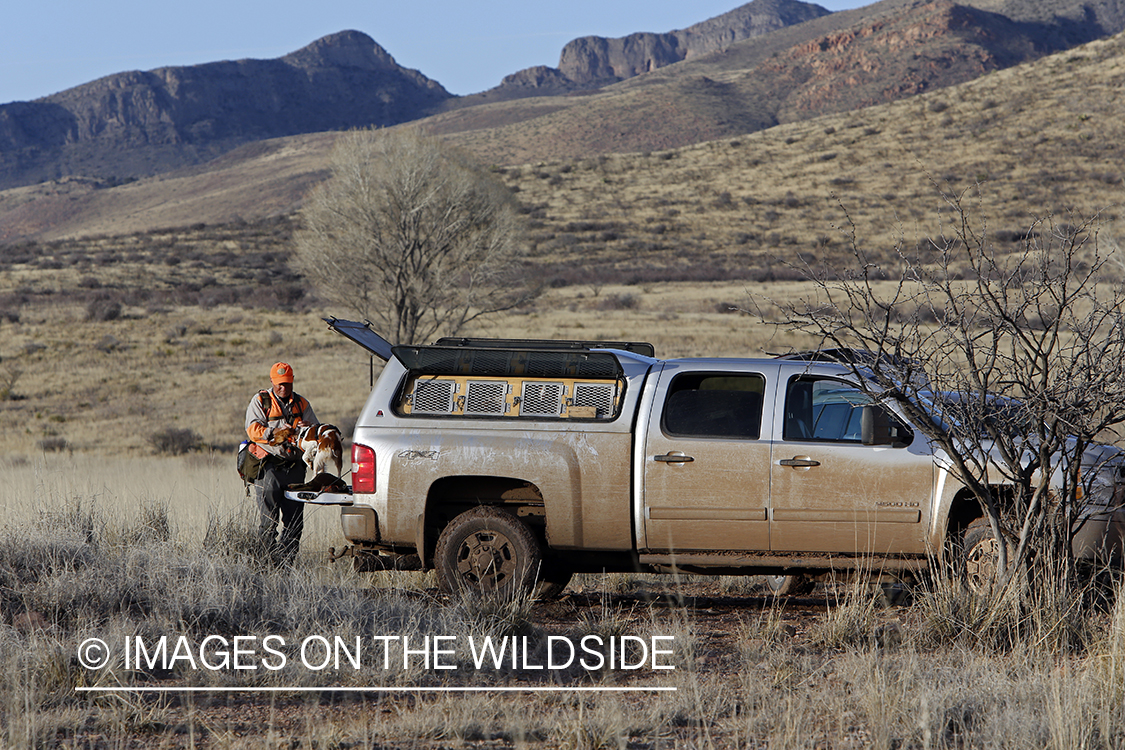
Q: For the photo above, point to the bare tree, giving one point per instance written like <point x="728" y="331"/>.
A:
<point x="413" y="235"/>
<point x="1010" y="362"/>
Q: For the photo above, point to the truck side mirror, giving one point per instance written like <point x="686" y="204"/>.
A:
<point x="875" y="426"/>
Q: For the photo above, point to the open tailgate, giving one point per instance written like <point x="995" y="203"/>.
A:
<point x="324" y="489"/>
<point x="320" y="497"/>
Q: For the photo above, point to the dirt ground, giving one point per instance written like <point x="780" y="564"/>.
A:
<point x="719" y="621"/>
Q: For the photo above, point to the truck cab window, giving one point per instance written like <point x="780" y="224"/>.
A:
<point x="715" y="405"/>
<point x="826" y="410"/>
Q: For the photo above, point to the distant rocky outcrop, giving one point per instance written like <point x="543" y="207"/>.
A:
<point x="139" y="123"/>
<point x="540" y="80"/>
<point x="595" y="60"/>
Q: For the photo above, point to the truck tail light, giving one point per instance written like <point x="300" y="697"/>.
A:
<point x="363" y="469"/>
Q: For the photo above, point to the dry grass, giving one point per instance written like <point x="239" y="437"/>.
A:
<point x="97" y="556"/>
<point x="192" y="494"/>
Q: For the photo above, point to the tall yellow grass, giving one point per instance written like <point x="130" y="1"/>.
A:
<point x="194" y="489"/>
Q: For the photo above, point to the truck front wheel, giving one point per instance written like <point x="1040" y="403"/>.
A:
<point x="487" y="552"/>
<point x="980" y="557"/>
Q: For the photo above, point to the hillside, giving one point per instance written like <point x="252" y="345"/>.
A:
<point x="763" y="63"/>
<point x="138" y="124"/>
<point x="1036" y="131"/>
<point x="836" y="63"/>
<point x="832" y="64"/>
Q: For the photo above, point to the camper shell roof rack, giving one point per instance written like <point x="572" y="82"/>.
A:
<point x="495" y="362"/>
<point x="636" y="347"/>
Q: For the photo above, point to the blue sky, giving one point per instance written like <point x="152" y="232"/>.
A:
<point x="51" y="45"/>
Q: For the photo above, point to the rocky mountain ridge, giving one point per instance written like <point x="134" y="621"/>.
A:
<point x="140" y="123"/>
<point x="596" y="61"/>
<point x="591" y="62"/>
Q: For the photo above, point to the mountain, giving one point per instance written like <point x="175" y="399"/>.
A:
<point x="834" y="63"/>
<point x="1039" y="141"/>
<point x="141" y="123"/>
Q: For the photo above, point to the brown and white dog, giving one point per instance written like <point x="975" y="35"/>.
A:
<point x="321" y="443"/>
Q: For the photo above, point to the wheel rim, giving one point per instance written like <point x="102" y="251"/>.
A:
<point x="981" y="564"/>
<point x="487" y="560"/>
<point x="776" y="583"/>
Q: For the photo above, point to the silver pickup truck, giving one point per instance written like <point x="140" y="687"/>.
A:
<point x="510" y="465"/>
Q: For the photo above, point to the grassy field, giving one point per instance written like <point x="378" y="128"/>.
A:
<point x="121" y="549"/>
<point x="80" y="382"/>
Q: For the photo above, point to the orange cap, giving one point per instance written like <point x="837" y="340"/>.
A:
<point x="281" y="373"/>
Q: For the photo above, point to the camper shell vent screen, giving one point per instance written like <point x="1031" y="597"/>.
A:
<point x="433" y="396"/>
<point x="486" y="397"/>
<point x="540" y="399"/>
<point x="597" y="396"/>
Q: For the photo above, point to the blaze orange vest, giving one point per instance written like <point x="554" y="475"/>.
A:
<point x="273" y="409"/>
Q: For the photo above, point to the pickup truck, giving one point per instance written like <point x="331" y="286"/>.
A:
<point x="509" y="465"/>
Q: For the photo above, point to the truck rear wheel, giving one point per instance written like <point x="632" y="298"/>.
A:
<point x="793" y="585"/>
<point x="487" y="552"/>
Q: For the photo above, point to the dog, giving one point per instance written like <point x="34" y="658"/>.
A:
<point x="321" y="443"/>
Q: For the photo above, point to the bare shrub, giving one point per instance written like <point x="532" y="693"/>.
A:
<point x="1028" y="353"/>
<point x="176" y="441"/>
<point x="103" y="308"/>
<point x="107" y="344"/>
<point x="10" y="305"/>
<point x="619" y="302"/>
<point x="54" y="444"/>
<point x="9" y="374"/>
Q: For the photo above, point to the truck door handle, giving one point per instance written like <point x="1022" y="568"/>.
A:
<point x="799" y="462"/>
<point x="676" y="457"/>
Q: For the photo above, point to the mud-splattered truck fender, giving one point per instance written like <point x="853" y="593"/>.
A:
<point x="572" y="480"/>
